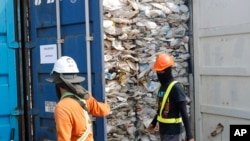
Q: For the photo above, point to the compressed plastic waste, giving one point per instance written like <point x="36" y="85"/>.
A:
<point x="135" y="32"/>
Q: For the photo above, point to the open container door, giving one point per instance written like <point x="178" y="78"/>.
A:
<point x="63" y="32"/>
<point x="221" y="66"/>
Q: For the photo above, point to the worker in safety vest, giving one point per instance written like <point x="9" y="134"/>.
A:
<point x="172" y="109"/>
<point x="71" y="113"/>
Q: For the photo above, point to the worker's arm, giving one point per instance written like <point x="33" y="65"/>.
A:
<point x="185" y="119"/>
<point x="97" y="108"/>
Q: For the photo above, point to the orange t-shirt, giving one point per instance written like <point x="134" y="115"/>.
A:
<point x="71" y="121"/>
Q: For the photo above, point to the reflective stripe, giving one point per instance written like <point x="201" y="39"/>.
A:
<point x="165" y="97"/>
<point x="88" y="124"/>
<point x="169" y="120"/>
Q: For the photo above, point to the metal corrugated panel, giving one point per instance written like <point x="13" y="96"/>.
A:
<point x="9" y="124"/>
<point x="222" y="70"/>
<point x="44" y="25"/>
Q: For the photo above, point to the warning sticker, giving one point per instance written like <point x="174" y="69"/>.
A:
<point x="50" y="106"/>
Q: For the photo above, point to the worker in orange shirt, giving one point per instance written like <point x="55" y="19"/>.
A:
<point x="71" y="113"/>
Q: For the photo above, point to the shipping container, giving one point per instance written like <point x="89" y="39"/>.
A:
<point x="11" y="98"/>
<point x="219" y="69"/>
<point x="63" y="28"/>
<point x="221" y="46"/>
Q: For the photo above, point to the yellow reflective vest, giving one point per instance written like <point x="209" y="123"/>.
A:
<point x="88" y="123"/>
<point x="164" y="100"/>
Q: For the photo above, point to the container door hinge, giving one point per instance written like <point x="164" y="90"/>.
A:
<point x="13" y="45"/>
<point x="16" y="112"/>
<point x="33" y="112"/>
<point x="60" y="41"/>
<point x="90" y="38"/>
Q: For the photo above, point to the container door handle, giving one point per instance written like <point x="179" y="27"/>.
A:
<point x="219" y="128"/>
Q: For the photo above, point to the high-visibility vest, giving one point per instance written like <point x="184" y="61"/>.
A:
<point x="164" y="100"/>
<point x="88" y="120"/>
<point x="88" y="124"/>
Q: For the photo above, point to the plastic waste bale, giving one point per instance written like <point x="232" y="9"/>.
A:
<point x="135" y="32"/>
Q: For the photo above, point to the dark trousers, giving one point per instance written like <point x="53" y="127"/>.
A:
<point x="166" y="137"/>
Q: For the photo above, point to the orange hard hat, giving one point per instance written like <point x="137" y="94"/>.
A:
<point x="163" y="61"/>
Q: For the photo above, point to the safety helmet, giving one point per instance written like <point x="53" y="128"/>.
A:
<point x="163" y="61"/>
<point x="65" y="64"/>
<point x="65" y="68"/>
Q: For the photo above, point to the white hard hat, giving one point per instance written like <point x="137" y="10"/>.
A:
<point x="67" y="69"/>
<point x="65" y="64"/>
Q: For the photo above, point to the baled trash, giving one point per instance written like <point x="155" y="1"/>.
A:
<point x="135" y="32"/>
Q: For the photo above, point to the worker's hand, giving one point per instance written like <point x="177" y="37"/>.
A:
<point x="191" y="139"/>
<point x="151" y="128"/>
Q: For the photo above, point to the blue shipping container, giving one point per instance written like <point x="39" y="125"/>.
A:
<point x="10" y="98"/>
<point x="64" y="33"/>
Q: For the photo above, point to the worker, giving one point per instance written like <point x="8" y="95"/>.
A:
<point x="172" y="110"/>
<point x="73" y="122"/>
